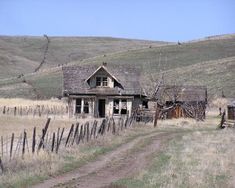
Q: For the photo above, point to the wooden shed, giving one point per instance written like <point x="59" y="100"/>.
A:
<point x="183" y="101"/>
<point x="231" y="110"/>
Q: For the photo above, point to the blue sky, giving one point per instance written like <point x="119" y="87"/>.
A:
<point x="167" y="20"/>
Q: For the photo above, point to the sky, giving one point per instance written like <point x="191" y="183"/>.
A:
<point x="164" y="20"/>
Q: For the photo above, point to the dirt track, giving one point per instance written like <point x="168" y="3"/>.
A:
<point x="125" y="161"/>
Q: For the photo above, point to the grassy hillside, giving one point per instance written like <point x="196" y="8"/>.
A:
<point x="21" y="55"/>
<point x="209" y="62"/>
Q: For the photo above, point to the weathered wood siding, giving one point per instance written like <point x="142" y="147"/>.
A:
<point x="231" y="112"/>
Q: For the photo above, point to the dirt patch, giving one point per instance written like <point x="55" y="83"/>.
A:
<point x="125" y="161"/>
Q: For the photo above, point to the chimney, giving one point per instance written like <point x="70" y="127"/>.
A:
<point x="104" y="64"/>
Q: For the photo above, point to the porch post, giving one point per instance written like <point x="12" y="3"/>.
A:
<point x="82" y="105"/>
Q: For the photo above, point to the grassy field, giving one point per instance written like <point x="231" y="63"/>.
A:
<point x="198" y="159"/>
<point x="21" y="173"/>
<point x="206" y="62"/>
<point x="199" y="156"/>
<point x="22" y="54"/>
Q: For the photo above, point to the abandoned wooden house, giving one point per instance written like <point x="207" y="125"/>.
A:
<point x="100" y="91"/>
<point x="183" y="101"/>
<point x="231" y="110"/>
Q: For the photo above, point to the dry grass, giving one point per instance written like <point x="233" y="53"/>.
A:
<point x="22" y="173"/>
<point x="220" y="103"/>
<point x="17" y="125"/>
<point x="25" y="102"/>
<point x="201" y="157"/>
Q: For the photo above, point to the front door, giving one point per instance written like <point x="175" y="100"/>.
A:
<point x="101" y="107"/>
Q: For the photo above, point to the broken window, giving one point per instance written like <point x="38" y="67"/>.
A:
<point x="124" y="106"/>
<point x="119" y="106"/>
<point x="116" y="106"/>
<point x="78" y="106"/>
<point x="86" y="106"/>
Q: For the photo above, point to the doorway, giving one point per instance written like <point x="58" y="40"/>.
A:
<point x="101" y="108"/>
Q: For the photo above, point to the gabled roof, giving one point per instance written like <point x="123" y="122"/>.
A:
<point x="182" y="93"/>
<point x="75" y="80"/>
<point x="99" y="68"/>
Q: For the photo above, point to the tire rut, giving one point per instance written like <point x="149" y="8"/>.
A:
<point x="112" y="166"/>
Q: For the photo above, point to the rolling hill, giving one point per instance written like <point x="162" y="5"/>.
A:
<point x="22" y="55"/>
<point x="209" y="62"/>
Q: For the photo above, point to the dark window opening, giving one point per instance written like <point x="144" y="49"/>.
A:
<point x="145" y="104"/>
<point x="86" y="106"/>
<point x="119" y="106"/>
<point x="78" y="106"/>
<point x="124" y="106"/>
<point x="98" y="81"/>
<point x="116" y="106"/>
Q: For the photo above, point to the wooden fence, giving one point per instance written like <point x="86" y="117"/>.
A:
<point x="12" y="147"/>
<point x="36" y="110"/>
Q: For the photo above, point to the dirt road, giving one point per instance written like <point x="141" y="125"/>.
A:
<point x="124" y="161"/>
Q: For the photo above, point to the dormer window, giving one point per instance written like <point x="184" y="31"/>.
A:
<point x="101" y="81"/>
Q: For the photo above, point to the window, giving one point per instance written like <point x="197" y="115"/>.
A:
<point x="102" y="81"/>
<point x="119" y="106"/>
<point x="86" y="106"/>
<point x="105" y="81"/>
<point x="124" y="107"/>
<point x="78" y="106"/>
<point x="98" y="81"/>
<point x="116" y="106"/>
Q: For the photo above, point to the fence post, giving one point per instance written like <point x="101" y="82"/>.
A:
<point x="58" y="136"/>
<point x="12" y="142"/>
<point x="70" y="132"/>
<point x="44" y="133"/>
<point x="80" y="135"/>
<point x="24" y="141"/>
<point x="2" y="145"/>
<point x="1" y="165"/>
<point x="59" y="141"/>
<point x="53" y="142"/>
<point x="34" y="140"/>
<point x="88" y="132"/>
<point x="114" y="128"/>
<point x="75" y="133"/>
<point x="84" y="131"/>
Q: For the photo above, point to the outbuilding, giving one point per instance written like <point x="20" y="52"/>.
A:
<point x="231" y="110"/>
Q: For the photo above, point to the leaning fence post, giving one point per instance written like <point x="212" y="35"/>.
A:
<point x="44" y="133"/>
<point x="70" y="132"/>
<point x="75" y="133"/>
<point x="24" y="141"/>
<point x="53" y="142"/>
<point x="34" y="140"/>
<point x="59" y="141"/>
<point x="12" y="142"/>
<point x="80" y="135"/>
